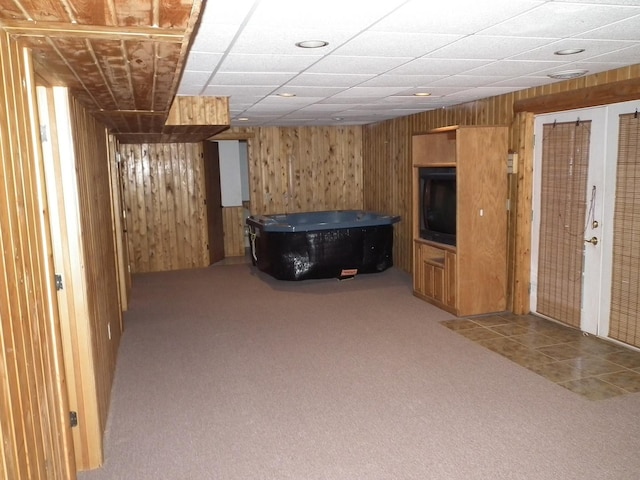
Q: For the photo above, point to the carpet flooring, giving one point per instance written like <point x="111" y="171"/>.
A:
<point x="226" y="373"/>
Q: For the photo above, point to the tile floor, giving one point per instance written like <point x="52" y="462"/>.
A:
<point x="584" y="364"/>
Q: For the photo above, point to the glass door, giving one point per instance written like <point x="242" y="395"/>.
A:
<point x="586" y="220"/>
<point x="567" y="217"/>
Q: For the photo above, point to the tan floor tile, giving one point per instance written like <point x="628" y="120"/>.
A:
<point x="596" y="346"/>
<point x="503" y="344"/>
<point x="561" y="351"/>
<point x="556" y="372"/>
<point x="527" y="358"/>
<point x="593" y="388"/>
<point x="534" y="340"/>
<point x="629" y="359"/>
<point x="459" y="324"/>
<point x="530" y="321"/>
<point x="490" y="321"/>
<point x="591" y="366"/>
<point x="627" y="380"/>
<point x="563" y="336"/>
<point x="510" y="329"/>
<point x="479" y="333"/>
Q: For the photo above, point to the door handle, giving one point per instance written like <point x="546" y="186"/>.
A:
<point x="592" y="240"/>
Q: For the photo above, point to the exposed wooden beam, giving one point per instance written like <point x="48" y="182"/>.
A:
<point x="101" y="32"/>
<point x="615" y="92"/>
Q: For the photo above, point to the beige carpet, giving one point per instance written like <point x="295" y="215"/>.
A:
<point x="225" y="373"/>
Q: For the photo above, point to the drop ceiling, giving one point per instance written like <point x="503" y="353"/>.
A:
<point x="380" y="54"/>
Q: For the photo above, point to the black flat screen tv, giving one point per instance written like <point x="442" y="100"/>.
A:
<point x="437" y="204"/>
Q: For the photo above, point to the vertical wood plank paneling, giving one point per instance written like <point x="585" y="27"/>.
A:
<point x="100" y="272"/>
<point x="164" y="200"/>
<point x="522" y="197"/>
<point x="305" y="169"/>
<point x="68" y="258"/>
<point x="36" y="441"/>
<point x="233" y="225"/>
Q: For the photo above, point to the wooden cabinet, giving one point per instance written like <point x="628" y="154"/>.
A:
<point x="470" y="277"/>
<point x="434" y="275"/>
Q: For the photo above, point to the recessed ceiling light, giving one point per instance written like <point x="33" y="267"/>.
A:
<point x="242" y="119"/>
<point x="337" y="119"/>
<point x="312" y="44"/>
<point x="566" y="74"/>
<point x="422" y="94"/>
<point x="569" y="51"/>
<point x="286" y="94"/>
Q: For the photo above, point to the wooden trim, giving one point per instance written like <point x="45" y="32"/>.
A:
<point x="122" y="262"/>
<point x="524" y="123"/>
<point x="614" y="92"/>
<point x="95" y="32"/>
<point x="232" y="134"/>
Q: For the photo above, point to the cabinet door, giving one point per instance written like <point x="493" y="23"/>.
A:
<point x="428" y="274"/>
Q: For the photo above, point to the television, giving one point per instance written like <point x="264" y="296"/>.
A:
<point x="437" y="204"/>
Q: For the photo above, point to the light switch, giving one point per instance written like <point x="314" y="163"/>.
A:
<point x="512" y="163"/>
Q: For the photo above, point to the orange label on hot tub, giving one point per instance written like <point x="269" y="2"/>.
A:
<point x="348" y="272"/>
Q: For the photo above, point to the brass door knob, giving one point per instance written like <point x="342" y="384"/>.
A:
<point x="592" y="240"/>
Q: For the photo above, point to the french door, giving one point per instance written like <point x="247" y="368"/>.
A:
<point x="584" y="266"/>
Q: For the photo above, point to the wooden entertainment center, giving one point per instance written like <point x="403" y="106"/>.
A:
<point x="469" y="278"/>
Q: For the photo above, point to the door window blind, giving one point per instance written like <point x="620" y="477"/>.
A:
<point x="625" y="284"/>
<point x="565" y="160"/>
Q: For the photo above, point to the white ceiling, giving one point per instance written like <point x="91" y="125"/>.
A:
<point x="381" y="53"/>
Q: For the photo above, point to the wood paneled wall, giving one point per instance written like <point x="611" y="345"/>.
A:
<point x="163" y="190"/>
<point x="305" y="169"/>
<point x="233" y="227"/>
<point x="35" y="438"/>
<point x="387" y="151"/>
<point x="102" y="327"/>
<point x="291" y="170"/>
<point x="387" y="161"/>
<point x="84" y="240"/>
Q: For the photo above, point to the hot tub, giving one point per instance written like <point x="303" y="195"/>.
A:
<point x="332" y="244"/>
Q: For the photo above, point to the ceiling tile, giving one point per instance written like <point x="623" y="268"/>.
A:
<point x="389" y="44"/>
<point x="246" y="78"/>
<point x="592" y="48"/>
<point x="267" y="63"/>
<point x="626" y="29"/>
<point x="488" y="47"/>
<point x="203" y="62"/>
<point x="217" y="40"/>
<point x="452" y="16"/>
<point x="372" y="65"/>
<point x="512" y="68"/>
<point x="438" y="66"/>
<point x="330" y="79"/>
<point x="561" y="20"/>
<point x="352" y="14"/>
<point x="406" y="81"/>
